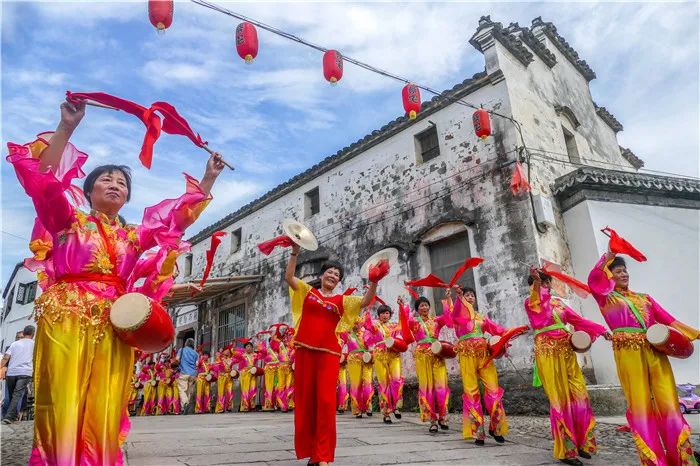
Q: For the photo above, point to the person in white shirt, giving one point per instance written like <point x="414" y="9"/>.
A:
<point x="18" y="359"/>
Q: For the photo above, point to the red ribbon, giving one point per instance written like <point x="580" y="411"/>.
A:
<point x="266" y="247"/>
<point x="173" y="122"/>
<point x="620" y="245"/>
<point x="518" y="182"/>
<point x="215" y="241"/>
<point x="431" y="281"/>
<point x="349" y="291"/>
<point x="468" y="264"/>
<point x="378" y="271"/>
<point x="412" y="292"/>
<point x="576" y="286"/>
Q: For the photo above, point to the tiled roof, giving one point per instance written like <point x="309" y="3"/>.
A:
<point x="567" y="50"/>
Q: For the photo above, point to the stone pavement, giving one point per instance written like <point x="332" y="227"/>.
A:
<point x="266" y="439"/>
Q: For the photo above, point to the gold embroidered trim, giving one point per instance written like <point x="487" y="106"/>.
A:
<point x="474" y="347"/>
<point x="549" y="346"/>
<point x="634" y="341"/>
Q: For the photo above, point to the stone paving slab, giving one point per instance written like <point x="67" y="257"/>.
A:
<point x="266" y="439"/>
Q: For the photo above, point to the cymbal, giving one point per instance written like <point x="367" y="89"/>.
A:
<point x="300" y="234"/>
<point x="390" y="254"/>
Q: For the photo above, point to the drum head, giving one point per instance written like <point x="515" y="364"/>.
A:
<point x="389" y="342"/>
<point x="436" y="347"/>
<point x="658" y="334"/>
<point x="580" y="340"/>
<point x="494" y="339"/>
<point x="367" y="358"/>
<point x="129" y="310"/>
<point x="390" y="254"/>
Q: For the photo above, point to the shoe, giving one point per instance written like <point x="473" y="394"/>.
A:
<point x="387" y="420"/>
<point x="443" y="426"/>
<point x="6" y="421"/>
<point x="572" y="461"/>
<point x="397" y="414"/>
<point x="369" y="413"/>
<point x="479" y="442"/>
<point x="341" y="411"/>
<point x="497" y="438"/>
<point x="433" y="428"/>
<point x="358" y="416"/>
<point x="584" y="454"/>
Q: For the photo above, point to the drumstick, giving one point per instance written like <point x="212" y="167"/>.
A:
<point x="206" y="148"/>
<point x="605" y="232"/>
<point x="96" y="104"/>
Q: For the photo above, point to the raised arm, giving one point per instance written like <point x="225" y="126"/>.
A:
<point x="292" y="281"/>
<point x="214" y="167"/>
<point x="71" y="114"/>
<point x="600" y="279"/>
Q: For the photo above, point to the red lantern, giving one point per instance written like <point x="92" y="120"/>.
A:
<point x="160" y="12"/>
<point x="482" y="123"/>
<point x="247" y="41"/>
<point x="332" y="66"/>
<point x="411" y="100"/>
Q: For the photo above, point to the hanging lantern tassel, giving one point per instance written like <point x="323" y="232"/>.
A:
<point x="247" y="42"/>
<point x="332" y="66"/>
<point x="411" y="100"/>
<point x="160" y="12"/>
<point x="482" y="123"/>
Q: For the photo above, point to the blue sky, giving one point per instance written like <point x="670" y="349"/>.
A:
<point x="277" y="117"/>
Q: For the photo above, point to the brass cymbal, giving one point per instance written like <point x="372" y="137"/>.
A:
<point x="300" y="234"/>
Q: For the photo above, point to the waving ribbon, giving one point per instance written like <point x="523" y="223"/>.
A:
<point x="215" y="241"/>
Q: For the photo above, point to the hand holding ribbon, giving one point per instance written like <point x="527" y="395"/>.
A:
<point x="284" y="241"/>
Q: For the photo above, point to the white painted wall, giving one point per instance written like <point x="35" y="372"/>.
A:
<point x="18" y="318"/>
<point x="669" y="237"/>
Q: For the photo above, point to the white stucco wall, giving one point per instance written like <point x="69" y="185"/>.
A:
<point x="669" y="237"/>
<point x="18" y="317"/>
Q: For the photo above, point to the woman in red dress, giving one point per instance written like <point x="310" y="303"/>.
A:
<point x="318" y="316"/>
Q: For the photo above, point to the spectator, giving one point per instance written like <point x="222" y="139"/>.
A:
<point x="187" y="359"/>
<point x="18" y="360"/>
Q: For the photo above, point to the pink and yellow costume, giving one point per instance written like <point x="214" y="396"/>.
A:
<point x="660" y="431"/>
<point x="247" y="381"/>
<point x="168" y="401"/>
<point x="84" y="261"/>
<point x="342" y="385"/>
<point x="387" y="364"/>
<point x="224" y="384"/>
<point x="570" y="414"/>
<point x="203" y="386"/>
<point x="270" y="378"/>
<point x="161" y="390"/>
<point x="473" y="352"/>
<point x="284" y="373"/>
<point x="148" y="377"/>
<point x="433" y="391"/>
<point x="133" y="393"/>
<point x="359" y="372"/>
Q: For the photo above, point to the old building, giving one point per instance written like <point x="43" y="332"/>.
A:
<point x="19" y="295"/>
<point x="435" y="191"/>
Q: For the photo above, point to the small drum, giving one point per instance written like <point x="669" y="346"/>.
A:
<point x="443" y="349"/>
<point x="142" y="322"/>
<point x="294" y="365"/>
<point x="397" y="345"/>
<point x="580" y="341"/>
<point x="367" y="357"/>
<point x="669" y="341"/>
<point x="153" y="382"/>
<point x="253" y="370"/>
<point x="234" y="374"/>
<point x="208" y="377"/>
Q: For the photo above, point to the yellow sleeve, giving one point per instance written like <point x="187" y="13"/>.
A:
<point x="686" y="330"/>
<point x="351" y="312"/>
<point x="297" y="298"/>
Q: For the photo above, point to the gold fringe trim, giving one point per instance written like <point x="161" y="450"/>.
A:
<point x="474" y="347"/>
<point x="549" y="346"/>
<point x="634" y="341"/>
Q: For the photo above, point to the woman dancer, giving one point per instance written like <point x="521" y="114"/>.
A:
<point x="205" y="376"/>
<point x="359" y="372"/>
<point x="387" y="363"/>
<point x="84" y="260"/>
<point x="660" y="431"/>
<point x="319" y="315"/>
<point x="224" y="381"/>
<point x="342" y="388"/>
<point x="433" y="391"/>
<point x="246" y="360"/>
<point x="570" y="413"/>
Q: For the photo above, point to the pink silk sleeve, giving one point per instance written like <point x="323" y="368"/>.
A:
<point x="166" y="222"/>
<point x="444" y="320"/>
<point x="600" y="282"/>
<point x="492" y="327"/>
<point x="47" y="190"/>
<point x="579" y="323"/>
<point x="661" y="315"/>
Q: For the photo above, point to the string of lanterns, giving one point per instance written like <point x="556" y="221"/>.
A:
<point x="160" y="13"/>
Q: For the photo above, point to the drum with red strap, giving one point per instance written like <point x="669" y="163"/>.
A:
<point x="397" y="345"/>
<point x="142" y="322"/>
<point x="443" y="349"/>
<point x="367" y="357"/>
<point x="669" y="341"/>
<point x="234" y="374"/>
<point x="580" y="341"/>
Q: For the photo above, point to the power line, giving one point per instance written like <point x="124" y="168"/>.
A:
<point x="13" y="235"/>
